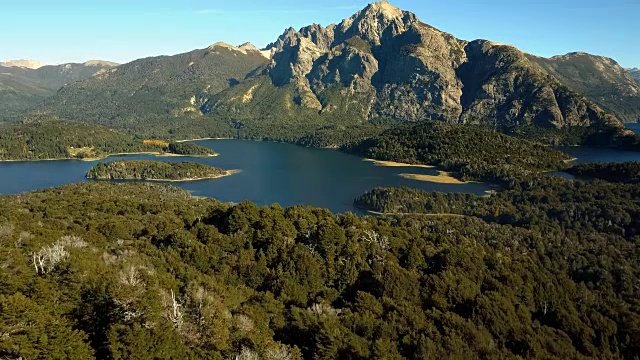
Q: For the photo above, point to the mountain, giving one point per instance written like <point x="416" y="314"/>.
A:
<point x="162" y="87"/>
<point x="635" y="73"/>
<point x="28" y="64"/>
<point x="22" y="87"/>
<point x="600" y="79"/>
<point x="382" y="65"/>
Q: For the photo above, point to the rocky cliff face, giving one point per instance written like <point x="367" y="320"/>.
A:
<point x="384" y="63"/>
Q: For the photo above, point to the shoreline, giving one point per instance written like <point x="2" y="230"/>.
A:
<point x="371" y="212"/>
<point x="157" y="154"/>
<point x="397" y="164"/>
<point x="199" y="139"/>
<point x="443" y="177"/>
<point x="227" y="173"/>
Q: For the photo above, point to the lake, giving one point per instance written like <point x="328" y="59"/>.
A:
<point x="276" y="173"/>
<point x="270" y="173"/>
<point x="598" y="155"/>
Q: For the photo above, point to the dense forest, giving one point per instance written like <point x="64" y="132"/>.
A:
<point x="472" y="153"/>
<point x="187" y="148"/>
<point x="139" y="271"/>
<point x="533" y="203"/>
<point x="153" y="170"/>
<point x="53" y="139"/>
<point x="627" y="172"/>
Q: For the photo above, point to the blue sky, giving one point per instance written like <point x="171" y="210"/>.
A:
<point x="123" y="30"/>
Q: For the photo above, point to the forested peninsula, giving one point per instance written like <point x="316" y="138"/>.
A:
<point x="154" y="170"/>
<point x="627" y="172"/>
<point x="58" y="140"/>
<point x="468" y="152"/>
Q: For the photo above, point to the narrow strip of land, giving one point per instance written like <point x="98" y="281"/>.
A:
<point x="397" y="164"/>
<point x="443" y="177"/>
<point x="417" y="214"/>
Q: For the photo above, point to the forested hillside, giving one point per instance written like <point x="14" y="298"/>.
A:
<point x="473" y="153"/>
<point x="158" y="95"/>
<point x="138" y="271"/>
<point x="627" y="172"/>
<point x="50" y="138"/>
<point x="22" y="88"/>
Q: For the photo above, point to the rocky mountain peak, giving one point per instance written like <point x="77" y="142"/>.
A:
<point x="248" y="46"/>
<point x="375" y="22"/>
<point x="244" y="48"/>
<point x="100" y="63"/>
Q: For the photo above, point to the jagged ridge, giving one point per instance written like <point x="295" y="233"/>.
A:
<point x="385" y="63"/>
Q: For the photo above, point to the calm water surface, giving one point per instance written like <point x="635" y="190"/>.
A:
<point x="275" y="173"/>
<point x="270" y="173"/>
<point x="595" y="155"/>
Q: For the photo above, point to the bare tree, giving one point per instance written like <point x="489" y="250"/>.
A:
<point x="48" y="257"/>
<point x="372" y="237"/>
<point x="175" y="312"/>
<point x="279" y="353"/>
<point x="247" y="354"/>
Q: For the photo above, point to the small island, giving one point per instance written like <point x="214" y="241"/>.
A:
<point x="151" y="170"/>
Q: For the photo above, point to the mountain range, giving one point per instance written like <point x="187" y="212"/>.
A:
<point x="25" y="83"/>
<point x="382" y="64"/>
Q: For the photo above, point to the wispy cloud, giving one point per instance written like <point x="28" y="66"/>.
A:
<point x="276" y="11"/>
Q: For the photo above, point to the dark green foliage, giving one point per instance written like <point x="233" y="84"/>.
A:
<point x="153" y="170"/>
<point x="303" y="282"/>
<point x="533" y="203"/>
<point x="55" y="140"/>
<point x="187" y="148"/>
<point x="627" y="172"/>
<point x="473" y="153"/>
<point x="49" y="138"/>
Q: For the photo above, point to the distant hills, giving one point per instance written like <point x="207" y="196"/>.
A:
<point x="29" y="64"/>
<point x="635" y="73"/>
<point x="164" y="87"/>
<point x="25" y="83"/>
<point x="600" y="79"/>
<point x="382" y="65"/>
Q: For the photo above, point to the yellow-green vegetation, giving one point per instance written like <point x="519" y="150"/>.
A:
<point x="154" y="170"/>
<point x="136" y="270"/>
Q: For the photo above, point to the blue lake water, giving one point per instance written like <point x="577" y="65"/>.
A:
<point x="270" y="173"/>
